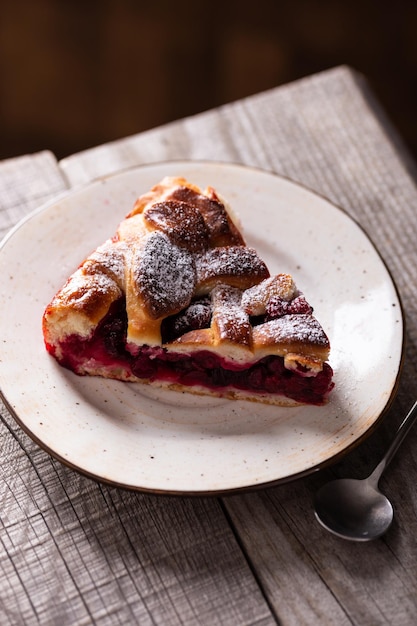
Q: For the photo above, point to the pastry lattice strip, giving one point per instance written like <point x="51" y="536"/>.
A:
<point x="189" y="283"/>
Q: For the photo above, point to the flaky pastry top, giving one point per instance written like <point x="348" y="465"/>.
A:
<point x="178" y="246"/>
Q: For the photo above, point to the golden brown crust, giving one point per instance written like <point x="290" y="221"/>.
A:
<point x="79" y="306"/>
<point x="256" y="298"/>
<point x="157" y="256"/>
<point x="176" y="245"/>
<point x="298" y="334"/>
<point x="183" y="224"/>
<point x="238" y="266"/>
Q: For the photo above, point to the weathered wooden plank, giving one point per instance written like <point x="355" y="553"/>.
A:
<point x="353" y="156"/>
<point x="119" y="554"/>
<point x="312" y="577"/>
<point x="76" y="552"/>
<point x="25" y="183"/>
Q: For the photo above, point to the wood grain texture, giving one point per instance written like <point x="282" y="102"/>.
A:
<point x="26" y="183"/>
<point x="77" y="552"/>
<point x="312" y="577"/>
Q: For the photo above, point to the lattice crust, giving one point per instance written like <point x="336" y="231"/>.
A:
<point x="190" y="283"/>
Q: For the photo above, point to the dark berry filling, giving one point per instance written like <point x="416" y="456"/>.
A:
<point x="196" y="316"/>
<point x="107" y="348"/>
<point x="277" y="307"/>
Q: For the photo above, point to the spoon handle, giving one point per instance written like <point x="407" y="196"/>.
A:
<point x="402" y="431"/>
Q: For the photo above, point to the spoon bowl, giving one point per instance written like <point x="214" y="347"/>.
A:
<point x="356" y="509"/>
<point x="353" y="509"/>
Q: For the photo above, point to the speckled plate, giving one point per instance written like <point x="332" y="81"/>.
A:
<point x="166" y="442"/>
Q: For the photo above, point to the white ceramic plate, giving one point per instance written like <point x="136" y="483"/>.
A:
<point x="133" y="436"/>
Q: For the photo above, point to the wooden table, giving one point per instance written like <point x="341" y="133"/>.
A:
<point x="77" y="552"/>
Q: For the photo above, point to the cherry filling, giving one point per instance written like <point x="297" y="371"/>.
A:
<point x="107" y="349"/>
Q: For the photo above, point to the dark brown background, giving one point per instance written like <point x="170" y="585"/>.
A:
<point x="76" y="73"/>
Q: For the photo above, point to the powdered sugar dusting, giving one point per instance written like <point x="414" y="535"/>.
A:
<point x="233" y="262"/>
<point x="194" y="317"/>
<point x="293" y="328"/>
<point x="222" y="231"/>
<point x="108" y="259"/>
<point x="164" y="275"/>
<point x="255" y="299"/>
<point x="181" y="222"/>
<point x="230" y="320"/>
<point x="82" y="288"/>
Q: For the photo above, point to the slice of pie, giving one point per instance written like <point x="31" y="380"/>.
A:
<point x="175" y="298"/>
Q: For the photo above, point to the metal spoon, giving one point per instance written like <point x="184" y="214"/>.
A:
<point x="356" y="509"/>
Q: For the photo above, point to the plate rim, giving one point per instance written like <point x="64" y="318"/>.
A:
<point x="73" y="191"/>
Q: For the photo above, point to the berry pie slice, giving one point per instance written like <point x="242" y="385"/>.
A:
<point x="177" y="299"/>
